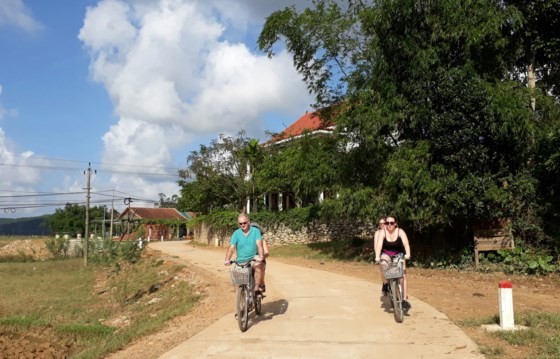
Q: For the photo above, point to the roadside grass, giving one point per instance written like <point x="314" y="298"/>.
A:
<point x="93" y="311"/>
<point x="542" y="337"/>
<point x="353" y="250"/>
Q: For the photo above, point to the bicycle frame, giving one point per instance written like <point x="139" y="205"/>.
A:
<point x="395" y="285"/>
<point x="246" y="299"/>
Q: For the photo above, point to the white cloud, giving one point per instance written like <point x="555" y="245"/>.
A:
<point x="174" y="71"/>
<point x="19" y="173"/>
<point x="15" y="13"/>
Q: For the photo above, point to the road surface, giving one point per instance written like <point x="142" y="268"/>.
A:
<point x="310" y="313"/>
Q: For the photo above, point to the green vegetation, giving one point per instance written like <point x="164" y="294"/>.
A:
<point x="71" y="219"/>
<point x="436" y="123"/>
<point x="542" y="335"/>
<point x="85" y="308"/>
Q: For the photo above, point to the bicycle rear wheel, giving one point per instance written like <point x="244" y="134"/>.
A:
<point x="242" y="307"/>
<point x="396" y="296"/>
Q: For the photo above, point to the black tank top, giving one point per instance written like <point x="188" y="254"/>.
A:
<point x="396" y="246"/>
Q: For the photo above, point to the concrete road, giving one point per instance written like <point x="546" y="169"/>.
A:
<point x="311" y="313"/>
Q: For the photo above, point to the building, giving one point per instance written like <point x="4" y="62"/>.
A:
<point x="154" y="223"/>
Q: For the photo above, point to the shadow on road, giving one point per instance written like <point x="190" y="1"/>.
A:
<point x="271" y="309"/>
<point x="387" y="307"/>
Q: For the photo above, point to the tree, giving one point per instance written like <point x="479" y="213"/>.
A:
<point x="426" y="93"/>
<point x="304" y="167"/>
<point x="72" y="218"/>
<point x="222" y="174"/>
<point x="168" y="202"/>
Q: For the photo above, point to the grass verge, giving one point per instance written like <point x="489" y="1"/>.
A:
<point x="541" y="338"/>
<point x="90" y="312"/>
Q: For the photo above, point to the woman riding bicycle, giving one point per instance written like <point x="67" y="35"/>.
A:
<point x="393" y="241"/>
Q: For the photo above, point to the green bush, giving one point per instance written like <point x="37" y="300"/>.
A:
<point x="58" y="247"/>
<point x="526" y="260"/>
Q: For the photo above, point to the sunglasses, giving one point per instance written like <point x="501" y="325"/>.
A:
<point x="382" y="224"/>
<point x="242" y="223"/>
<point x="390" y="223"/>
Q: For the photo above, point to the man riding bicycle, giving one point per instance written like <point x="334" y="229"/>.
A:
<point x="246" y="241"/>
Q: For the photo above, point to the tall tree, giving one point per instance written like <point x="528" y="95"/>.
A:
<point x="221" y="175"/>
<point x="425" y="95"/>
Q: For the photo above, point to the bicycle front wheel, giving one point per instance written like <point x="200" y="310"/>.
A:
<point x="396" y="296"/>
<point x="242" y="307"/>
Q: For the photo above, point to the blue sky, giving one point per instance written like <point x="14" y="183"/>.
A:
<point x="131" y="86"/>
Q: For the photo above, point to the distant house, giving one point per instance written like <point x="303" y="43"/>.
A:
<point x="310" y="124"/>
<point x="157" y="223"/>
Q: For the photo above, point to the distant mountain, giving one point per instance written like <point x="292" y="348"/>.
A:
<point x="30" y="226"/>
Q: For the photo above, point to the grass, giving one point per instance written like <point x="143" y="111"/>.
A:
<point x="343" y="250"/>
<point x="60" y="299"/>
<point x="542" y="336"/>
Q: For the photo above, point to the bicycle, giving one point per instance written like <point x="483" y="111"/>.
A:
<point x="394" y="272"/>
<point x="242" y="277"/>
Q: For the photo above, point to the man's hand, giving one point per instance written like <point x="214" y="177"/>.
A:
<point x="227" y="263"/>
<point x="377" y="259"/>
<point x="407" y="257"/>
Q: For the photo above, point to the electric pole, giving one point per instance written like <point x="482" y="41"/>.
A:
<point x="88" y="188"/>
<point x="112" y="210"/>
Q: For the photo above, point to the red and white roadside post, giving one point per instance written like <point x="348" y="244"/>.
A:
<point x="506" y="305"/>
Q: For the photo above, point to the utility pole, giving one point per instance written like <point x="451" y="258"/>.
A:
<point x="127" y="202"/>
<point x="112" y="210"/>
<point x="104" y="213"/>
<point x="88" y="188"/>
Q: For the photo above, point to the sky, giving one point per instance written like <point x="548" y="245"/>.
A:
<point x="128" y="88"/>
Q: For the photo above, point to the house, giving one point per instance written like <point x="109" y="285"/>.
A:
<point x="157" y="223"/>
<point x="310" y="124"/>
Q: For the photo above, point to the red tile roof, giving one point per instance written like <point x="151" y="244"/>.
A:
<point x="154" y="213"/>
<point x="310" y="122"/>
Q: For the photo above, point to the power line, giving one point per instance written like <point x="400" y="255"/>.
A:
<point x="40" y="194"/>
<point x="169" y="169"/>
<point x="57" y="168"/>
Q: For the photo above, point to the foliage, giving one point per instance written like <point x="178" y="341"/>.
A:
<point x="222" y="171"/>
<point x="58" y="247"/>
<point x="352" y="204"/>
<point x="219" y="220"/>
<point x="82" y="320"/>
<point x="526" y="260"/>
<point x="431" y="106"/>
<point x="295" y="218"/>
<point x="225" y="222"/>
<point x="303" y="167"/>
<point x="168" y="202"/>
<point x="72" y="218"/>
<point x="114" y="253"/>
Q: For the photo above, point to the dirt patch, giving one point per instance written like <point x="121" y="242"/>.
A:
<point x="32" y="248"/>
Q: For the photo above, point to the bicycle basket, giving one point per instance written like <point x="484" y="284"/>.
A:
<point x="240" y="275"/>
<point x="393" y="270"/>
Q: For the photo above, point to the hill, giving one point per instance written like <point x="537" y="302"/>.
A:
<point x="29" y="226"/>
